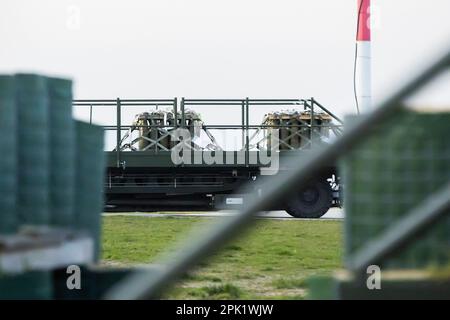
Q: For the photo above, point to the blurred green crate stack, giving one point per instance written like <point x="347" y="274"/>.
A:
<point x="62" y="152"/>
<point x="8" y="160"/>
<point x="32" y="177"/>
<point x="403" y="163"/>
<point x="90" y="169"/>
<point x="50" y="163"/>
<point x="33" y="143"/>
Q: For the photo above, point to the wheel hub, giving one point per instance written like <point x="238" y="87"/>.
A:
<point x="309" y="195"/>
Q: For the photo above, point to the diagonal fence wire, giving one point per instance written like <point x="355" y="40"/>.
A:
<point x="145" y="284"/>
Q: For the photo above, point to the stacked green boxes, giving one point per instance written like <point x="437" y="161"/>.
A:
<point x="33" y="139"/>
<point x="8" y="160"/>
<point x="49" y="162"/>
<point x="403" y="163"/>
<point x="62" y="152"/>
<point x="33" y="172"/>
<point x="89" y="180"/>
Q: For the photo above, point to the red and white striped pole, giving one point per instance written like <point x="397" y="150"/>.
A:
<point x="363" y="58"/>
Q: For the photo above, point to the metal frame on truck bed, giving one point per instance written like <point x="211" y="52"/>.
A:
<point x="143" y="176"/>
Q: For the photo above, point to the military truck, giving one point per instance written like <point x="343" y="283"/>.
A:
<point x="169" y="158"/>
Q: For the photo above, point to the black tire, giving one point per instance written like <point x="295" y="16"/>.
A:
<point x="311" y="202"/>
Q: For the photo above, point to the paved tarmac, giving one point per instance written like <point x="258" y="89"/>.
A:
<point x="332" y="214"/>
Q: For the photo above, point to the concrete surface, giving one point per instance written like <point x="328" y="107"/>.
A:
<point x="333" y="213"/>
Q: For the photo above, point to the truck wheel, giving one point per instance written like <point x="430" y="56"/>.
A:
<point x="311" y="202"/>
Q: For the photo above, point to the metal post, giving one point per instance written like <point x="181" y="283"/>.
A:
<point x="311" y="123"/>
<point x="118" y="132"/>
<point x="243" y="124"/>
<point x="90" y="114"/>
<point x="247" y="142"/>
<point x="183" y="118"/>
<point x="175" y="112"/>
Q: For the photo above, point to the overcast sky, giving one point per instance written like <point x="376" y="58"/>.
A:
<point x="221" y="49"/>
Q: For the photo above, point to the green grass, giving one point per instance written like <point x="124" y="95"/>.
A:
<point x="214" y="292"/>
<point x="271" y="261"/>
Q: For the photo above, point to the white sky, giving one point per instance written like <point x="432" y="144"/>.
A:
<point x="221" y="49"/>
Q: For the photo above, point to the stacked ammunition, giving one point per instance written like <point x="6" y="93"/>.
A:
<point x="297" y="129"/>
<point x="155" y="126"/>
<point x="52" y="169"/>
<point x="141" y="123"/>
<point x="194" y="124"/>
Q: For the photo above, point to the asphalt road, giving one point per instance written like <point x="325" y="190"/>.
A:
<point x="333" y="213"/>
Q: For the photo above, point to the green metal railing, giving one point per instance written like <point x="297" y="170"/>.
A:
<point x="179" y="110"/>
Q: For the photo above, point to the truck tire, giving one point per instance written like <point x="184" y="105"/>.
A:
<point x="311" y="202"/>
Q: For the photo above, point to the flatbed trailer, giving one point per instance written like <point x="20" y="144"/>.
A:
<point x="146" y="178"/>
